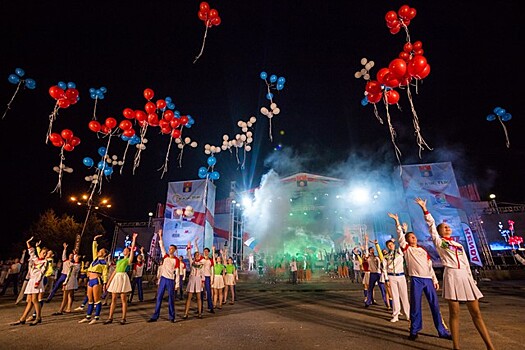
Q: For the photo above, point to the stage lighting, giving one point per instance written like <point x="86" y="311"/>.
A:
<point x="246" y="202"/>
<point x="360" y="196"/>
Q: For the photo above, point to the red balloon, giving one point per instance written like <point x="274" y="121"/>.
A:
<point x="416" y="65"/>
<point x="204" y="6"/>
<point x="143" y="123"/>
<point x="94" y="126"/>
<point x="419" y="52"/>
<point x="374" y="98"/>
<point x="213" y="14"/>
<point x="161" y="104"/>
<point x="373" y="87"/>
<point x="111" y="122"/>
<point x="381" y="76"/>
<point x="391" y="16"/>
<point x="395" y="30"/>
<point x="128" y="113"/>
<point x="392" y="97"/>
<point x="140" y="115"/>
<point x="68" y="147"/>
<point x="153" y="119"/>
<point x="163" y="123"/>
<point x="56" y="92"/>
<point x="407" y="47"/>
<point x="72" y="94"/>
<point x="203" y="15"/>
<point x="129" y="132"/>
<point x="54" y="137"/>
<point x="150" y="107"/>
<point x="404" y="56"/>
<point x="418" y="45"/>
<point x="404" y="11"/>
<point x="216" y="21"/>
<point x="148" y="94"/>
<point x="66" y="134"/>
<point x="58" y="143"/>
<point x="125" y="125"/>
<point x="411" y="13"/>
<point x="391" y="80"/>
<point x="175" y="133"/>
<point x="393" y="24"/>
<point x="184" y="120"/>
<point x="405" y="80"/>
<point x="168" y="115"/>
<point x="63" y="103"/>
<point x="75" y="141"/>
<point x="174" y="123"/>
<point x="424" y="73"/>
<point x="397" y="67"/>
<point x="406" y="22"/>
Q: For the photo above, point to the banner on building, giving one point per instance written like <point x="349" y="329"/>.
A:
<point x="181" y="229"/>
<point x="471" y="245"/>
<point x="435" y="182"/>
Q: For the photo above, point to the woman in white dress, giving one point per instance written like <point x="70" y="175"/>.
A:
<point x="70" y="284"/>
<point x="35" y="285"/>
<point x="195" y="280"/>
<point x="458" y="283"/>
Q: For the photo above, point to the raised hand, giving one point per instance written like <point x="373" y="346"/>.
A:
<point x="405" y="227"/>
<point x="135" y="234"/>
<point x="97" y="237"/>
<point x="422" y="203"/>
<point x="38" y="243"/>
<point x="394" y="216"/>
<point x="64" y="245"/>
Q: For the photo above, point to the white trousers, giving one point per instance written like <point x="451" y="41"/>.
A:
<point x="398" y="286"/>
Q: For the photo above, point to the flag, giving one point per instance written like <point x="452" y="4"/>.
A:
<point x="186" y="187"/>
<point x="252" y="243"/>
<point x="302" y="180"/>
<point x="425" y="170"/>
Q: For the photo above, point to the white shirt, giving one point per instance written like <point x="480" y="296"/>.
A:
<point x="206" y="267"/>
<point x="418" y="261"/>
<point x="293" y="266"/>
<point x="169" y="265"/>
<point x="394" y="261"/>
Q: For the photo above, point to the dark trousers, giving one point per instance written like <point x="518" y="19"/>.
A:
<point x="418" y="287"/>
<point x="137" y="282"/>
<point x="207" y="287"/>
<point x="56" y="286"/>
<point x="11" y="278"/>
<point x="294" y="277"/>
<point x="165" y="284"/>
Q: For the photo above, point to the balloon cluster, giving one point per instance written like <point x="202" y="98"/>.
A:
<point x="185" y="213"/>
<point x="364" y="72"/>
<point x="67" y="141"/>
<point x="106" y="128"/>
<point x="15" y="79"/>
<point x="65" y="95"/>
<point x="211" y="18"/>
<point x="97" y="94"/>
<point x="407" y="69"/>
<point x="274" y="83"/>
<point x="208" y="172"/>
<point x="502" y="116"/>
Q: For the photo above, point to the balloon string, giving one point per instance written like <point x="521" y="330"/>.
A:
<point x="203" y="42"/>
<point x="237" y="155"/>
<point x="376" y="112"/>
<point x="270" y="129"/>
<point x="95" y="109"/>
<point x="139" y="149"/>
<point x="179" y="157"/>
<point x="165" y="167"/>
<point x="392" y="133"/>
<point x="12" y="98"/>
<point x="406" y="30"/>
<point x="244" y="157"/>
<point x="419" y="138"/>
<point x="52" y="118"/>
<point x="506" y="133"/>
<point x="124" y="157"/>
<point x="58" y="187"/>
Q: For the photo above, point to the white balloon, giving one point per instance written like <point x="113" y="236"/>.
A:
<point x="243" y="137"/>
<point x="180" y="146"/>
<point x="114" y="162"/>
<point x="363" y="71"/>
<point x="95" y="176"/>
<point x="273" y="106"/>
<point x="270" y="116"/>
<point x="248" y="148"/>
<point x="95" y="181"/>
<point x="120" y="162"/>
<point x="264" y="110"/>
<point x="238" y="136"/>
<point x="144" y="140"/>
<point x="357" y="75"/>
<point x="245" y="129"/>
<point x="206" y="146"/>
<point x="366" y="77"/>
<point x="249" y="140"/>
<point x="207" y="151"/>
<point x="114" y="157"/>
<point x="87" y="178"/>
<point x="179" y="211"/>
<point x="225" y="137"/>
<point x="234" y="142"/>
<point x="178" y="140"/>
<point x="249" y="134"/>
<point x="212" y="149"/>
<point x="187" y="140"/>
<point x="224" y="147"/>
<point x="69" y="170"/>
<point x="372" y="63"/>
<point x="193" y="144"/>
<point x="56" y="169"/>
<point x="217" y="150"/>
<point x="276" y="111"/>
<point x="253" y="120"/>
<point x="249" y="124"/>
<point x="363" y="61"/>
<point x="367" y="66"/>
<point x="189" y="208"/>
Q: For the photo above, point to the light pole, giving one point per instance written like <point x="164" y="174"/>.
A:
<point x="493" y="203"/>
<point x="87" y="201"/>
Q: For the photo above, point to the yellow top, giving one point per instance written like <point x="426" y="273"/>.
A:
<point x="49" y="267"/>
<point x="98" y="265"/>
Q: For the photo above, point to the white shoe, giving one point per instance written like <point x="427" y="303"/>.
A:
<point x="80" y="308"/>
<point x="394" y="319"/>
<point x="93" y="321"/>
<point x="84" y="320"/>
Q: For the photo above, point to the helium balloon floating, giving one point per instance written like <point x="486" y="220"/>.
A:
<point x="502" y="116"/>
<point x="211" y="18"/>
<point x="16" y="79"/>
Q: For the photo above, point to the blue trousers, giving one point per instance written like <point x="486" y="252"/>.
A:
<point x="374" y="278"/>
<point x="137" y="282"/>
<point x="164" y="284"/>
<point x="207" y="286"/>
<point x="181" y="287"/>
<point x="56" y="286"/>
<point x="418" y="286"/>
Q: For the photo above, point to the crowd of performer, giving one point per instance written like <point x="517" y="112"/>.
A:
<point x="401" y="270"/>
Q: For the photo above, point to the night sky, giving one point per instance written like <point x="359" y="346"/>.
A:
<point x="473" y="49"/>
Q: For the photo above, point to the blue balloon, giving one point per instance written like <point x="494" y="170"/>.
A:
<point x="101" y="165"/>
<point x="280" y="87"/>
<point x="214" y="175"/>
<point x="13" y="79"/>
<point x="103" y="89"/>
<point x="364" y="101"/>
<point x="108" y="170"/>
<point x="269" y="96"/>
<point x="20" y="72"/>
<point x="273" y="78"/>
<point x="177" y="114"/>
<point x="93" y="96"/>
<point x="88" y="162"/>
<point x="167" y="99"/>
<point x="102" y="151"/>
<point x="506" y="117"/>
<point x="100" y="97"/>
<point x="491" y="117"/>
<point x="212" y="160"/>
<point x="30" y="83"/>
<point x="124" y="138"/>
<point x="263" y="75"/>
<point x="203" y="172"/>
<point x="281" y="80"/>
<point x="92" y="90"/>
<point x="171" y="106"/>
<point x="71" y="85"/>
<point x="62" y="85"/>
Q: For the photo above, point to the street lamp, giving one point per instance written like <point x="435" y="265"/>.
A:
<point x="493" y="203"/>
<point x="86" y="200"/>
<point x="150" y="215"/>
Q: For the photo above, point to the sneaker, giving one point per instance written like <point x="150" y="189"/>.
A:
<point x="84" y="320"/>
<point x="394" y="319"/>
<point x="412" y="337"/>
<point x="93" y="321"/>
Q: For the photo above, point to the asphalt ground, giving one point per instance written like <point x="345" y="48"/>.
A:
<point x="327" y="314"/>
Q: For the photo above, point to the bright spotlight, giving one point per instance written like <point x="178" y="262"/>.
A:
<point x="246" y="202"/>
<point x="360" y="196"/>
